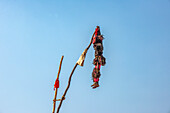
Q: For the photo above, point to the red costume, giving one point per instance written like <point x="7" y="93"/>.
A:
<point x="99" y="59"/>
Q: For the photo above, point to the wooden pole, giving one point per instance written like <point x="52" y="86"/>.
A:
<point x="56" y="89"/>
<point x="69" y="81"/>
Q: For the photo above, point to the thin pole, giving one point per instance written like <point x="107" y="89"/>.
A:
<point x="55" y="96"/>
<point x="66" y="88"/>
<point x="69" y="81"/>
<point x="90" y="41"/>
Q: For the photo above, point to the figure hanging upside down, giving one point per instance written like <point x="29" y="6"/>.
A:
<point x="99" y="60"/>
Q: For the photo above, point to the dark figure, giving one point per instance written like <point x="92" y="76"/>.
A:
<point x="99" y="59"/>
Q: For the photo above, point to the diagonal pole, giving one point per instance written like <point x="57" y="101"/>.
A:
<point x="79" y="62"/>
<point x="55" y="96"/>
<point x="66" y="88"/>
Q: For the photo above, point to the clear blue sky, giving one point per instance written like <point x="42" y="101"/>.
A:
<point x="34" y="34"/>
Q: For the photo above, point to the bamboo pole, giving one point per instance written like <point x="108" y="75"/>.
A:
<point x="56" y="89"/>
<point x="66" y="88"/>
<point x="69" y="81"/>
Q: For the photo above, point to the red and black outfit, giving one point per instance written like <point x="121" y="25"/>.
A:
<point x="99" y="60"/>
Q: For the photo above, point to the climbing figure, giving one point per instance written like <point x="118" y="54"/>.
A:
<point x="99" y="60"/>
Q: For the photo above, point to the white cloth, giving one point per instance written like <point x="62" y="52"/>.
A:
<point x="82" y="58"/>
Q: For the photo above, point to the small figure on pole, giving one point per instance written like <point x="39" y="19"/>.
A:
<point x="99" y="59"/>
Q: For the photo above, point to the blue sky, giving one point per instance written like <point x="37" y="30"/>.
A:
<point x="34" y="34"/>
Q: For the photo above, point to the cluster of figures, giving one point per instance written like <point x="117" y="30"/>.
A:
<point x="99" y="60"/>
